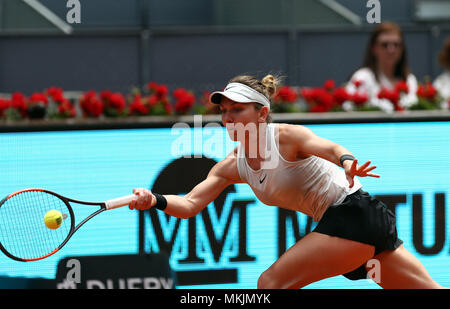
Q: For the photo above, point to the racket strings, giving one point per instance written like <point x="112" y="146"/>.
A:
<point x="23" y="232"/>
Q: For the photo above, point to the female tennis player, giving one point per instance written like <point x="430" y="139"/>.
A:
<point x="292" y="168"/>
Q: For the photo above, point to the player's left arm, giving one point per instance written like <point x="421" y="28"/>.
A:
<point x="308" y="143"/>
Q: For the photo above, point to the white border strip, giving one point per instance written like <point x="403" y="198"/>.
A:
<point x="342" y="10"/>
<point x="49" y="15"/>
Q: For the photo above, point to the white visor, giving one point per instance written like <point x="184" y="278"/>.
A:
<point x="239" y="93"/>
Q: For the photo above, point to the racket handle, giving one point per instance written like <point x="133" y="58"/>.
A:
<point x="120" y="201"/>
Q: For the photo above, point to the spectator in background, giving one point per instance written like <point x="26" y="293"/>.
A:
<point x="385" y="76"/>
<point x="442" y="82"/>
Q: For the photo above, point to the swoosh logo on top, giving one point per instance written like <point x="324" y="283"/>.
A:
<point x="262" y="180"/>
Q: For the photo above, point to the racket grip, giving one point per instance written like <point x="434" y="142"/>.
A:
<point x="120" y="201"/>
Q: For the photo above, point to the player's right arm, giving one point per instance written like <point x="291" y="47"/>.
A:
<point x="223" y="174"/>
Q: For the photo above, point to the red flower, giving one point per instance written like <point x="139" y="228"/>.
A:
<point x="105" y="95"/>
<point x="359" y="98"/>
<point x="329" y="84"/>
<point x="184" y="100"/>
<point x="114" y="102"/>
<point x="56" y="94"/>
<point x="37" y="98"/>
<point x="91" y="105"/>
<point x="168" y="108"/>
<point x="421" y="92"/>
<point x="393" y="96"/>
<point x="319" y="99"/>
<point x="341" y="95"/>
<point x="357" y="83"/>
<point x="402" y="87"/>
<point x="19" y="102"/>
<point x="117" y="101"/>
<point x="151" y="86"/>
<point x="427" y="91"/>
<point x="161" y="90"/>
<point x="138" y="107"/>
<point x="318" y="109"/>
<point x="66" y="109"/>
<point x="306" y="94"/>
<point x="316" y="94"/>
<point x="4" y="105"/>
<point x="326" y="99"/>
<point x="156" y="103"/>
<point x="153" y="100"/>
<point x="285" y="95"/>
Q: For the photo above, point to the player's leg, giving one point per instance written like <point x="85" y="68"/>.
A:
<point x="402" y="270"/>
<point x="315" y="257"/>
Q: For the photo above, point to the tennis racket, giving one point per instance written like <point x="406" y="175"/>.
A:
<point x="23" y="233"/>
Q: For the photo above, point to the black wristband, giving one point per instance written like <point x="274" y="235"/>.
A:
<point x="161" y="202"/>
<point x="346" y="157"/>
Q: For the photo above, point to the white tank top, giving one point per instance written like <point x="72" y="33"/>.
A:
<point x="309" y="186"/>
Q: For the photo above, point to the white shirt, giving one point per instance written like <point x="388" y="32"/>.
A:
<point x="372" y="87"/>
<point x="442" y="85"/>
<point x="309" y="186"/>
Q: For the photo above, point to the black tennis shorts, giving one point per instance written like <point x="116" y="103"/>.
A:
<point x="361" y="217"/>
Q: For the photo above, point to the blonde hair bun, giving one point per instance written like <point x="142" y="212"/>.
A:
<point x="271" y="84"/>
<point x="267" y="86"/>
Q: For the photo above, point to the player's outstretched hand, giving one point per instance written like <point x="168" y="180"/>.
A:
<point x="144" y="201"/>
<point x="353" y="169"/>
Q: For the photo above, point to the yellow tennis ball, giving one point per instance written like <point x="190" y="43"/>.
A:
<point x="53" y="219"/>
